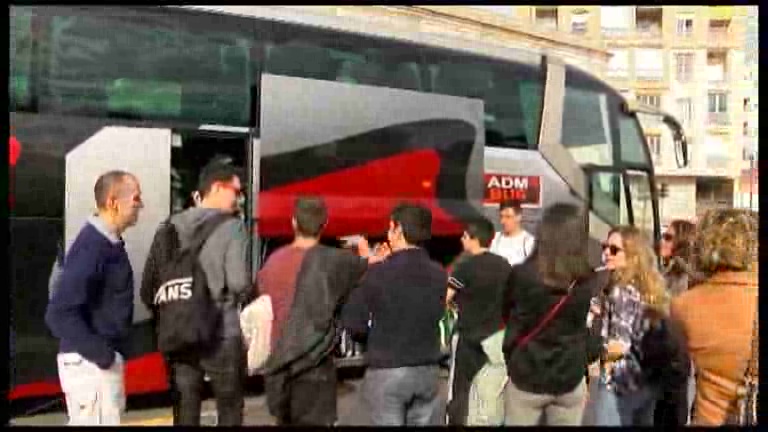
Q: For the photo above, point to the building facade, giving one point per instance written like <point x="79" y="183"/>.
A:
<point x="748" y="192"/>
<point x="688" y="61"/>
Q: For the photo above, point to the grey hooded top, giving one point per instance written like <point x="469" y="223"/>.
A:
<point x="224" y="261"/>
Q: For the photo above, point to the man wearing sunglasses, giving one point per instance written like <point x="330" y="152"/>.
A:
<point x="223" y="260"/>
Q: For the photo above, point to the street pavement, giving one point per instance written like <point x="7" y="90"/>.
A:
<point x="351" y="410"/>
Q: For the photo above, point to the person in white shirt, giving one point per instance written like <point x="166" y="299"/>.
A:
<point x="512" y="242"/>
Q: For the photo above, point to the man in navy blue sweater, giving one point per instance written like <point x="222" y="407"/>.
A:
<point x="91" y="308"/>
<point x="398" y="305"/>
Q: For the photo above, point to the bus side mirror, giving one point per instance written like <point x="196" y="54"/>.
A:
<point x="680" y="140"/>
<point x="678" y="135"/>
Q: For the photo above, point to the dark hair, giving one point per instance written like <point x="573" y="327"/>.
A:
<point x="414" y="220"/>
<point x="106" y="183"/>
<point x="682" y="246"/>
<point x="311" y="215"/>
<point x="560" y="251"/>
<point x="515" y="205"/>
<point x="482" y="230"/>
<point x="215" y="172"/>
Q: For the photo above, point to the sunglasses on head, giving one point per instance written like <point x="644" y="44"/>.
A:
<point x="667" y="237"/>
<point x="612" y="249"/>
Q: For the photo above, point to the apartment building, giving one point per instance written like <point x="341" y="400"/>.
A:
<point x="689" y="61"/>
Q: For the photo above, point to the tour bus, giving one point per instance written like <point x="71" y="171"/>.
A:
<point x="363" y="121"/>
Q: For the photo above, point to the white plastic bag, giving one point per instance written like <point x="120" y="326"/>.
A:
<point x="256" y="324"/>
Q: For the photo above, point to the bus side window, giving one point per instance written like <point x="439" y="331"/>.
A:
<point x="586" y="131"/>
<point x="19" y="91"/>
<point x="633" y="144"/>
<point x="641" y="201"/>
<point x="191" y="69"/>
<point x="608" y="197"/>
<point x="322" y="55"/>
<point x="509" y="90"/>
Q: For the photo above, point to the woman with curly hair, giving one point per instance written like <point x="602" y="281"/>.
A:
<point x="717" y="316"/>
<point x="625" y="395"/>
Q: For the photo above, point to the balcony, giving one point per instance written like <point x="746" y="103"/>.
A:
<point x="719" y="83"/>
<point x="718" y="163"/>
<point x="719" y="119"/>
<point x="615" y="32"/>
<point x="720" y="38"/>
<point x="652" y="32"/>
<point x="546" y="18"/>
<point x="648" y="21"/>
<point x="617" y="73"/>
<point x="546" y="25"/>
<point x="649" y="74"/>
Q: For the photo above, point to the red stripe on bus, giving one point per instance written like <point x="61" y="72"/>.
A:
<point x="145" y="374"/>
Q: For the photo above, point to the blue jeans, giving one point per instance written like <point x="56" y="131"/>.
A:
<point x="606" y="408"/>
<point x="404" y="396"/>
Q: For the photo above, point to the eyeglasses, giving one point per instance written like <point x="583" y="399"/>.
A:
<point x="667" y="237"/>
<point x="612" y="249"/>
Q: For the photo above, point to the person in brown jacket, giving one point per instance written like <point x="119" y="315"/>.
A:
<point x="717" y="315"/>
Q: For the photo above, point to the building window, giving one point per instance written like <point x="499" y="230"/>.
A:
<point x="649" y="99"/>
<point x="615" y="19"/>
<point x="719" y="28"/>
<point x="546" y="17"/>
<point x="718" y="102"/>
<point x="648" y="20"/>
<point x="649" y="64"/>
<point x="654" y="145"/>
<point x="618" y="65"/>
<point x="716" y="66"/>
<point x="718" y="109"/>
<point x="684" y="67"/>
<point x="579" y="20"/>
<point x="685" y="110"/>
<point x="746" y="105"/>
<point x="685" y="25"/>
<point x="745" y="129"/>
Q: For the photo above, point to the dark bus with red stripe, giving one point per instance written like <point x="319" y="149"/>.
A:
<point x="364" y="121"/>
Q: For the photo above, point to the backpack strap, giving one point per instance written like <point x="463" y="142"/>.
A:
<point x="522" y="341"/>
<point x="494" y="242"/>
<point x="526" y="237"/>
<point x="204" y="230"/>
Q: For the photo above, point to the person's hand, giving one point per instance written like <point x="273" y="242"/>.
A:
<point x="363" y="248"/>
<point x="380" y="253"/>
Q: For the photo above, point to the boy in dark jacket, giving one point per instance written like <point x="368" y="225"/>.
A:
<point x="398" y="305"/>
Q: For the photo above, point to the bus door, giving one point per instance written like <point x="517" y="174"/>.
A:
<point x="194" y="148"/>
<point x="145" y="152"/>
<point x="364" y="149"/>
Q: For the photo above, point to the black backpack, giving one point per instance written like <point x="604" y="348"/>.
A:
<point x="187" y="318"/>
